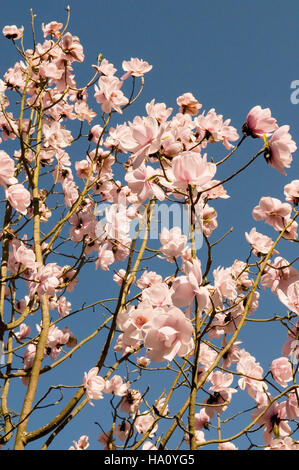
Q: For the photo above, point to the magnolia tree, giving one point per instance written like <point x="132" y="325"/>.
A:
<point x="68" y="214"/>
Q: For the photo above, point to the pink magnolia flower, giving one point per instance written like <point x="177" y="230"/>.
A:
<point x="158" y="111"/>
<point x="253" y="374"/>
<point x="261" y="244"/>
<point x="292" y="405"/>
<point x="73" y="50"/>
<point x="94" y="385"/>
<point x="224" y="282"/>
<point x="25" y="331"/>
<point x="187" y="287"/>
<point x="291" y="192"/>
<point x="285" y="443"/>
<point x="279" y="151"/>
<point x="281" y="370"/>
<point x="168" y="334"/>
<point x="55" y="135"/>
<point x="201" y="419"/>
<point x="209" y="220"/>
<point x="116" y="386"/>
<point x="143" y="423"/>
<point x="214" y="129"/>
<point x="52" y="28"/>
<point x="131" y="401"/>
<point x="149" y="446"/>
<point x="105" y="438"/>
<point x="13" y="32"/>
<point x="106" y="68"/>
<point x="21" y="255"/>
<point x="7" y="169"/>
<point x="173" y="242"/>
<point x="142" y="181"/>
<point x="272" y="211"/>
<point x="258" y="122"/>
<point x="18" y="197"/>
<point x="291" y="298"/>
<point x="148" y="279"/>
<point x="135" y="67"/>
<point x="109" y="95"/>
<point x="188" y="104"/>
<point x="146" y="135"/>
<point x="279" y="275"/>
<point x="227" y="446"/>
<point x="191" y="168"/>
<point x="123" y="430"/>
<point x="47" y="279"/>
<point x="83" y="442"/>
<point x="157" y="295"/>
<point x="29" y="356"/>
<point x="274" y="421"/>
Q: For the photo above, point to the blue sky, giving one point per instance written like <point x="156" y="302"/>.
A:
<point x="232" y="56"/>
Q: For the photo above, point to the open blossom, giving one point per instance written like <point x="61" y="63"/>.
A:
<point x="188" y="104"/>
<point x="148" y="445"/>
<point x="248" y="366"/>
<point x="123" y="430"/>
<point x="116" y="386"/>
<point x="291" y="192"/>
<point x="146" y="135"/>
<point x="109" y="95"/>
<point x="94" y="385"/>
<point x="142" y="181"/>
<point x="292" y="405"/>
<point x="260" y="243"/>
<point x="24" y="331"/>
<point x="212" y="127"/>
<point x="131" y="401"/>
<point x="173" y="242"/>
<point x="7" y="169"/>
<point x="20" y="255"/>
<point x="158" y="111"/>
<point x="285" y="443"/>
<point x="55" y="135"/>
<point x="279" y="275"/>
<point x="135" y="67"/>
<point x="52" y="28"/>
<point x="29" y="356"/>
<point x="291" y="297"/>
<point x="73" y="50"/>
<point x="227" y="446"/>
<point x="143" y="423"/>
<point x="190" y="168"/>
<point x="187" y="287"/>
<point x="148" y="278"/>
<point x="47" y="279"/>
<point x="224" y="282"/>
<point x="274" y="421"/>
<point x="82" y="444"/>
<point x="18" y="197"/>
<point x="281" y="370"/>
<point x="13" y="32"/>
<point x="258" y="122"/>
<point x="272" y="211"/>
<point x="279" y="151"/>
<point x="168" y="334"/>
<point x="157" y="295"/>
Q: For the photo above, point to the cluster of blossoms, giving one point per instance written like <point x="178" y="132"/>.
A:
<point x="189" y="320"/>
